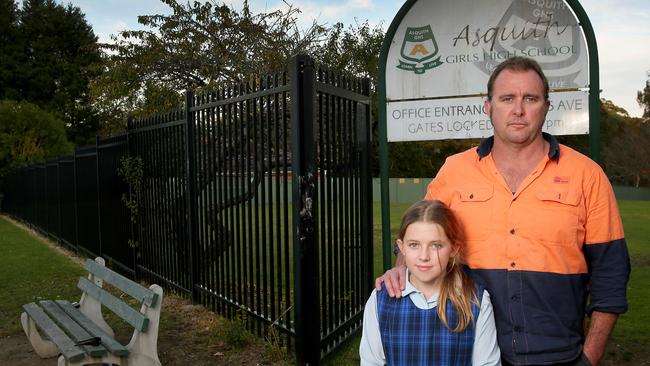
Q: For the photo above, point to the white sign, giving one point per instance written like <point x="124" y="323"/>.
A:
<point x="463" y="118"/>
<point x="448" y="49"/>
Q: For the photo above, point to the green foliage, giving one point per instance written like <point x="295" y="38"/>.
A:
<point x="201" y="44"/>
<point x="49" y="56"/>
<point x="643" y="98"/>
<point x="423" y="158"/>
<point x="10" y="50"/>
<point x="625" y="146"/>
<point x="274" y="344"/>
<point x="131" y="171"/>
<point x="29" y="134"/>
<point x="235" y="332"/>
<point x="354" y="50"/>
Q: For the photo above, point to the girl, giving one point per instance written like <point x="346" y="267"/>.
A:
<point x="442" y="318"/>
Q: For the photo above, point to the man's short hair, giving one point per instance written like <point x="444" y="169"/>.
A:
<point x="520" y="64"/>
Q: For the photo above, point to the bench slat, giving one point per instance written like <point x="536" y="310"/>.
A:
<point x="131" y="316"/>
<point x="134" y="289"/>
<point x="111" y="344"/>
<point x="71" y="327"/>
<point x="70" y="351"/>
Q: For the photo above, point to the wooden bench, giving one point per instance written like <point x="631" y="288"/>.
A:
<point x="81" y="336"/>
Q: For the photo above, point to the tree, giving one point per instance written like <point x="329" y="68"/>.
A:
<point x="626" y="146"/>
<point x="49" y="55"/>
<point x="10" y="55"/>
<point x="643" y="98"/>
<point x="29" y="134"/>
<point x="355" y="50"/>
<point x="627" y="155"/>
<point x="201" y="44"/>
<point x="62" y="58"/>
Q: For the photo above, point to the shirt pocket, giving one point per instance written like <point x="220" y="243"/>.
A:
<point x="474" y="207"/>
<point x="555" y="219"/>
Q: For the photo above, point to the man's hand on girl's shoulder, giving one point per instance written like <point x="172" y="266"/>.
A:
<point x="394" y="279"/>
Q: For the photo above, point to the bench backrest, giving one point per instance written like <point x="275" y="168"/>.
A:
<point x="143" y="295"/>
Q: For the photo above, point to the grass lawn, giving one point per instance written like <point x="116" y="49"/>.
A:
<point x="631" y="336"/>
<point x="31" y="270"/>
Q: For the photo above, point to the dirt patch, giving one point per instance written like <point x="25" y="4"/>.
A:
<point x="15" y="350"/>
<point x="192" y="335"/>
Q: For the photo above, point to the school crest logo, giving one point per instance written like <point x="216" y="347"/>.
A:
<point x="419" y="50"/>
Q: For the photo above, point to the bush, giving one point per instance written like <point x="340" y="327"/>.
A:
<point x="29" y="134"/>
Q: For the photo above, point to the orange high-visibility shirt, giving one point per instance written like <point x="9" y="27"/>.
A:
<point x="538" y="249"/>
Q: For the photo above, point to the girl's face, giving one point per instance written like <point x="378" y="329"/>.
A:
<point x="426" y="250"/>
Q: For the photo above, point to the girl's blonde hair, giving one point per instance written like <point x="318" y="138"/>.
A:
<point x="456" y="286"/>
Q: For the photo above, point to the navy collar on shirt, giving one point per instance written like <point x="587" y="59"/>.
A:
<point x="485" y="147"/>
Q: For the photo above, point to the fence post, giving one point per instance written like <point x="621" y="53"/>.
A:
<point x="364" y="124"/>
<point x="59" y="229"/>
<point x="305" y="275"/>
<point x="133" y="231"/>
<point x="76" y="201"/>
<point x="99" y="199"/>
<point x="190" y="171"/>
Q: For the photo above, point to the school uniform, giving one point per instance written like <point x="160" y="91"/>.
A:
<point x="407" y="331"/>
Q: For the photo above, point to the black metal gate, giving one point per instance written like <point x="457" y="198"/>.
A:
<point x="255" y="201"/>
<point x="332" y="205"/>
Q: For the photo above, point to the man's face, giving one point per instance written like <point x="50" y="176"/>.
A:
<point x="517" y="108"/>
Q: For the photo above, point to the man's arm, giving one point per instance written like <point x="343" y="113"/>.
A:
<point x="608" y="260"/>
<point x="394" y="278"/>
<point x="600" y="328"/>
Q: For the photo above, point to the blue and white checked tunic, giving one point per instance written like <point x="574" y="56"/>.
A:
<point x="407" y="331"/>
<point x="413" y="336"/>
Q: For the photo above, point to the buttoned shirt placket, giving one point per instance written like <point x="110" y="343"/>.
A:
<point x="514" y="249"/>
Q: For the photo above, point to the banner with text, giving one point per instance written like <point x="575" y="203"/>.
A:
<point x="464" y="118"/>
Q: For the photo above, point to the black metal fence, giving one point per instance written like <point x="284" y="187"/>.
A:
<point x="255" y="201"/>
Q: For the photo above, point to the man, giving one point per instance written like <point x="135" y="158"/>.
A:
<point x="542" y="227"/>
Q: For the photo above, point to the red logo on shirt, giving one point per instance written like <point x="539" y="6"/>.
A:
<point x="561" y="180"/>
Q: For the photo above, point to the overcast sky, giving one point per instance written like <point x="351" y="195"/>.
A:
<point x="622" y="30"/>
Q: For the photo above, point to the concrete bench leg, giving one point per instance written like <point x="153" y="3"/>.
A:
<point x="143" y="347"/>
<point x="43" y="347"/>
